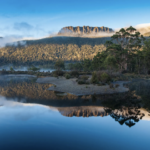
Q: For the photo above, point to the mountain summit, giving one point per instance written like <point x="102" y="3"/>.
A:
<point x="84" y="30"/>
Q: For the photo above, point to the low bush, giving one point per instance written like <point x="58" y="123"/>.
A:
<point x="67" y="76"/>
<point x="74" y="73"/>
<point x="117" y="85"/>
<point x="100" y="84"/>
<point x="84" y="77"/>
<point x="33" y="68"/>
<point x="39" y="74"/>
<point x="81" y="82"/>
<point x="104" y="77"/>
<point x="85" y="73"/>
<point x="57" y="73"/>
<point x="4" y="71"/>
<point x="111" y="86"/>
<point x="87" y="82"/>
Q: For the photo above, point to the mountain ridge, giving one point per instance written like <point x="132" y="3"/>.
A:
<point x="84" y="30"/>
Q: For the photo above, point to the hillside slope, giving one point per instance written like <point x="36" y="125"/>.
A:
<point x="50" y="49"/>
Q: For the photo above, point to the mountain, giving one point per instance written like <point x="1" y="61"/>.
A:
<point x="84" y="30"/>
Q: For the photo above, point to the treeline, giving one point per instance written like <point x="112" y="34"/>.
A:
<point x="45" y="51"/>
<point x="127" y="51"/>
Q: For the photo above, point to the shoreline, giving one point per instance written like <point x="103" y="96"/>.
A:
<point x="72" y="87"/>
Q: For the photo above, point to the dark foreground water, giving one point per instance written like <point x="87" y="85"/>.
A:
<point x="33" y="118"/>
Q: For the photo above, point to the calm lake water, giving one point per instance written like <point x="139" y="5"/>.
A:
<point x="32" y="117"/>
<point x="25" y="68"/>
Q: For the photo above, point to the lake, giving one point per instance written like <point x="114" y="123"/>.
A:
<point x="42" y="68"/>
<point x="31" y="117"/>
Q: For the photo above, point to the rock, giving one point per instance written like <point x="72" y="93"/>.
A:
<point x="84" y="30"/>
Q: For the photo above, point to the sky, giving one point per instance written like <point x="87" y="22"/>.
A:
<point x="40" y="18"/>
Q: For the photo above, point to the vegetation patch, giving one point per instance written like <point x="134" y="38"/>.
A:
<point x="67" y="76"/>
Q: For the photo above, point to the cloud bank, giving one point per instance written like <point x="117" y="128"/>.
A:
<point x="143" y="28"/>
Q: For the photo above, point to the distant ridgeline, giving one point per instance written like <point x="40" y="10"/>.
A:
<point x="46" y="50"/>
<point x="85" y="30"/>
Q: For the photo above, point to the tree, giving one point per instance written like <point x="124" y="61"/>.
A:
<point x="59" y="64"/>
<point x="11" y="68"/>
<point x="110" y="62"/>
<point x="87" y="64"/>
<point x="125" y="44"/>
<point x="146" y="56"/>
<point x="98" y="61"/>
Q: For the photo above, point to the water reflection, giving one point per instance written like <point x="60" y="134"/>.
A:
<point x="25" y="67"/>
<point x="23" y="91"/>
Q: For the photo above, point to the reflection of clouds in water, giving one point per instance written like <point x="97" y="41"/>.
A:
<point x="146" y="113"/>
<point x="21" y="111"/>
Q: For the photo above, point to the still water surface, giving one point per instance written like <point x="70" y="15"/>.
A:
<point x="25" y="68"/>
<point x="32" y="117"/>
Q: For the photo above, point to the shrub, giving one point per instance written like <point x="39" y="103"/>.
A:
<point x="67" y="76"/>
<point x="84" y="77"/>
<point x="39" y="74"/>
<point x="57" y="73"/>
<point x="111" y="86"/>
<point x="104" y="77"/>
<point x="117" y="85"/>
<point x="85" y="73"/>
<point x="100" y="84"/>
<point x="94" y="78"/>
<point x="87" y="82"/>
<point x="33" y="68"/>
<point x="11" y="69"/>
<point x="74" y="73"/>
<point x="81" y="82"/>
<point x="59" y="64"/>
<point x="4" y="71"/>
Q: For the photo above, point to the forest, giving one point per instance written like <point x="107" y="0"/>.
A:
<point x="126" y="51"/>
<point x="45" y="51"/>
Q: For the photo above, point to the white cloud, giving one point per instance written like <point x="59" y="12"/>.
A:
<point x="143" y="28"/>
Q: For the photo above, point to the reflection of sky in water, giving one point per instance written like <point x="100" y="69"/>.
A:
<point x="32" y="126"/>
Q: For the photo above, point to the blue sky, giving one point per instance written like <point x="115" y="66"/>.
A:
<point x="36" y="18"/>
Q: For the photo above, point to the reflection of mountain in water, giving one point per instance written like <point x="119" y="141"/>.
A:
<point x="125" y="109"/>
<point x="83" y="111"/>
<point x="124" y="115"/>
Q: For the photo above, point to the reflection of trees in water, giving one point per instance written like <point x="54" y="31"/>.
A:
<point x="142" y="88"/>
<point x="30" y="90"/>
<point x="124" y="108"/>
<point x="126" y="115"/>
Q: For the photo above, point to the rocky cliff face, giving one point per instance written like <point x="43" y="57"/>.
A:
<point x="85" y="30"/>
